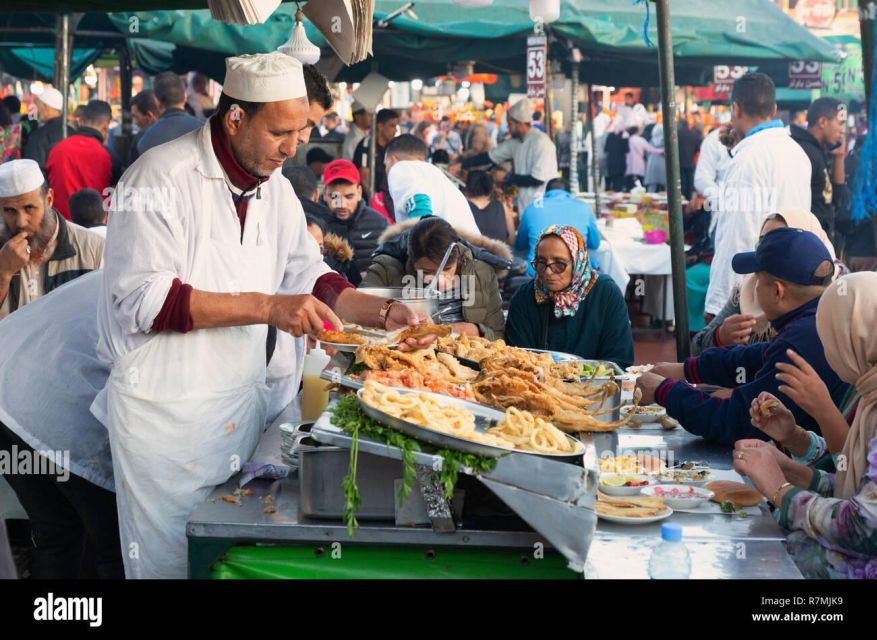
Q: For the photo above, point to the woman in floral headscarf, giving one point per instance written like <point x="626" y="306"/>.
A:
<point x="569" y="307"/>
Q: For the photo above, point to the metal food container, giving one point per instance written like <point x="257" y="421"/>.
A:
<point x="417" y="299"/>
<point x="323" y="467"/>
<point x="613" y="401"/>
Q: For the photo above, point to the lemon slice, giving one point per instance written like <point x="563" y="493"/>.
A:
<point x="614" y="480"/>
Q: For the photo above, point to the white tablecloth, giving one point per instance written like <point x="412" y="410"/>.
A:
<point x="622" y="253"/>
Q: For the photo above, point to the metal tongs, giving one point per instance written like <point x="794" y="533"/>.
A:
<point x="431" y="290"/>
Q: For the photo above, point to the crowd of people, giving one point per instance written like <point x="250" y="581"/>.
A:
<point x="198" y="272"/>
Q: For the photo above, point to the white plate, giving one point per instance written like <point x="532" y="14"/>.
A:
<point x="621" y="492"/>
<point x="702" y="495"/>
<point x="666" y="513"/>
<point x="683" y="481"/>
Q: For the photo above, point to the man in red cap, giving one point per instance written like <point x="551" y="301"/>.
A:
<point x="351" y="219"/>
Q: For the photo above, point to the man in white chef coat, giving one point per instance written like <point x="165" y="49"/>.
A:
<point x="532" y="152"/>
<point x="208" y="251"/>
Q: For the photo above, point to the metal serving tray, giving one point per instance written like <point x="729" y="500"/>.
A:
<point x="485" y="418"/>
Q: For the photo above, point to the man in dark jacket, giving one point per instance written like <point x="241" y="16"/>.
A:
<point x="350" y="218"/>
<point x="823" y="139"/>
<point x="170" y="91"/>
<point x="304" y="183"/>
<point x="145" y="112"/>
<point x="792" y="268"/>
<point x="689" y="144"/>
<point x="42" y="140"/>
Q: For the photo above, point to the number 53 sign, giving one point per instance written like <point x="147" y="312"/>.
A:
<point x="805" y="75"/>
<point x="537" y="56"/>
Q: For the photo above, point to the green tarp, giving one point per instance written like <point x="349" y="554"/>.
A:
<point x="608" y="32"/>
<point x="38" y="63"/>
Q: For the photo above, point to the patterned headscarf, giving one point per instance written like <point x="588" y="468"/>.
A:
<point x="566" y="302"/>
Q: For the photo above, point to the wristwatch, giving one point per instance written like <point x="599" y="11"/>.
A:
<point x="385" y="310"/>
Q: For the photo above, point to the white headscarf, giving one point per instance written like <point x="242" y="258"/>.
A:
<point x="795" y="219"/>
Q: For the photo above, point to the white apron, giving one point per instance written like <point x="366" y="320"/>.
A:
<point x="186" y="410"/>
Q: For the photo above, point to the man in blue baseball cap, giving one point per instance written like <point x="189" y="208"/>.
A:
<point x="792" y="268"/>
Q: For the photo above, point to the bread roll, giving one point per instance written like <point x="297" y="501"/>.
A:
<point x="740" y="494"/>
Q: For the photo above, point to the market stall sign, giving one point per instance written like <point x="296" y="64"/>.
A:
<point x="845" y="80"/>
<point x="724" y="77"/>
<point x="537" y="58"/>
<point x="805" y="75"/>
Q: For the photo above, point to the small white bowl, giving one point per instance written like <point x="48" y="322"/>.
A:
<point x="624" y="491"/>
<point x="679" y="496"/>
<point x="646" y="413"/>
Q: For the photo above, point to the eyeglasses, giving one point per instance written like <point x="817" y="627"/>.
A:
<point x="556" y="267"/>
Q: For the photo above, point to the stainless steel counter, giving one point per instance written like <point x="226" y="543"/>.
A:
<point x="721" y="546"/>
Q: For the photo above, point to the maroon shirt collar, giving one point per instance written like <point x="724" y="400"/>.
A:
<point x="240" y="177"/>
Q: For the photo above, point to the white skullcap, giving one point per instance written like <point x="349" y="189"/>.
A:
<point x="264" y="77"/>
<point x="52" y="98"/>
<point x="522" y="111"/>
<point x="18" y="177"/>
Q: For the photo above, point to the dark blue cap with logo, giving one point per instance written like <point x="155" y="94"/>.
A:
<point x="793" y="255"/>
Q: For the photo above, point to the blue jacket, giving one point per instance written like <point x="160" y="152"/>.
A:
<point x="748" y="370"/>
<point x="172" y="124"/>
<point x="556" y="207"/>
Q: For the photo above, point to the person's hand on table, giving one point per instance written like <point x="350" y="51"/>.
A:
<point x="763" y="469"/>
<point x="648" y="383"/>
<point x="804" y="387"/>
<point x="753" y="443"/>
<point x="301" y="315"/>
<point x="672" y="370"/>
<point x="736" y="329"/>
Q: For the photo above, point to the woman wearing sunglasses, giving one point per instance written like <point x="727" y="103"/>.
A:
<point x="569" y="307"/>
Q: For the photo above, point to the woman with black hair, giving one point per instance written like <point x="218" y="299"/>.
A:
<point x="491" y="216"/>
<point x="470" y="294"/>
